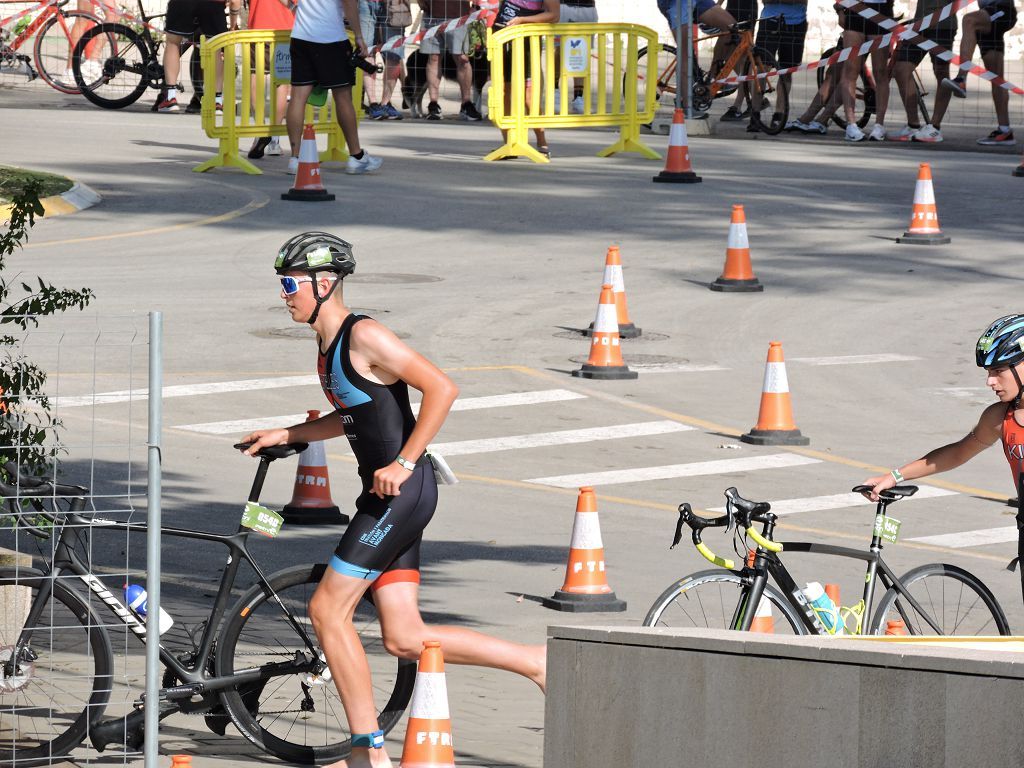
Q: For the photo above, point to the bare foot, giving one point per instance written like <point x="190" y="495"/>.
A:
<point x="364" y="758"/>
<point x="540" y="674"/>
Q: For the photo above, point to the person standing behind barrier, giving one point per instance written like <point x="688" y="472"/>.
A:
<point x="908" y="57"/>
<point x="452" y="42"/>
<point x="985" y="29"/>
<point x="322" y="56"/>
<point x="577" y="12"/>
<point x="183" y="17"/>
<point x="857" y="29"/>
<point x="377" y="19"/>
<point x="512" y="13"/>
<point x="271" y="14"/>
<point x="742" y="11"/>
<point x="782" y="32"/>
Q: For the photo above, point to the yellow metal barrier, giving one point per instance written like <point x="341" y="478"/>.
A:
<point x="602" y="56"/>
<point x="250" y="103"/>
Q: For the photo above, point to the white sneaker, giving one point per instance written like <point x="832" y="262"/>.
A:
<point x="293" y="165"/>
<point x="576" y="106"/>
<point x="853" y="133"/>
<point x="929" y="135"/>
<point x="68" y="78"/>
<point x="905" y="133"/>
<point x="367" y="164"/>
<point x="877" y="133"/>
<point x="92" y="70"/>
<point x="274" y="147"/>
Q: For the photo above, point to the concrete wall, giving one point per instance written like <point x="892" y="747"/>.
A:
<point x="621" y="698"/>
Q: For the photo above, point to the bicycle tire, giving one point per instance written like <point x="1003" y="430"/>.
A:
<point x="922" y="106"/>
<point x="684" y="603"/>
<point x="52" y="50"/>
<point x="52" y="709"/>
<point x="931" y="583"/>
<point x="769" y="101"/>
<point x="864" y="95"/>
<point x="665" y="58"/>
<point x="257" y="630"/>
<point x="125" y="71"/>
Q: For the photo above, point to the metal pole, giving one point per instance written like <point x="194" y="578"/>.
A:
<point x="679" y="50"/>
<point x="688" y="5"/>
<point x="152" y="710"/>
<point x="689" y="59"/>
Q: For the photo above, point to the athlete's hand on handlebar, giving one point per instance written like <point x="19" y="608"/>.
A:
<point x="263" y="438"/>
<point x="387" y="481"/>
<point x="878" y="484"/>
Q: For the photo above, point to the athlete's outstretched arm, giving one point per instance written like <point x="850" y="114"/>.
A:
<point x="323" y="428"/>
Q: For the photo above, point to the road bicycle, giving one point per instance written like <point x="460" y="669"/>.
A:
<point x="934" y="599"/>
<point x="256" y="664"/>
<point x="766" y="97"/>
<point x="53" y="30"/>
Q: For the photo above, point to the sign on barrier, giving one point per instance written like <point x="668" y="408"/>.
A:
<point x="602" y="58"/>
<point x="256" y="62"/>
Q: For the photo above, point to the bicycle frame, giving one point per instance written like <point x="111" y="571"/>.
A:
<point x="48" y="8"/>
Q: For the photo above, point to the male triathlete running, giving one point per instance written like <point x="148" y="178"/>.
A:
<point x="365" y="372"/>
<point x="1000" y="351"/>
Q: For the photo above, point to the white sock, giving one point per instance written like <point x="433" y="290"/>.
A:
<point x="1004" y="128"/>
<point x="172" y="93"/>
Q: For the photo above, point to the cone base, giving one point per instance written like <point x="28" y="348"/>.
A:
<point x="582" y="603"/>
<point x="914" y="239"/>
<point x="313" y="515"/>
<point x="1019" y="170"/>
<point x="626" y="331"/>
<point x="775" y="437"/>
<point x="677" y="177"/>
<point x="308" y="195"/>
<point x="729" y="285"/>
<point x="605" y="372"/>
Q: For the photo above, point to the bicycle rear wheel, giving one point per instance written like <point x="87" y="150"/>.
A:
<point x="665" y="90"/>
<point x="768" y="96"/>
<point x="709" y="600"/>
<point x="118" y="73"/>
<point x="62" y="681"/>
<point x="296" y="713"/>
<point x="864" y="94"/>
<point x="957" y="601"/>
<point x="53" y="48"/>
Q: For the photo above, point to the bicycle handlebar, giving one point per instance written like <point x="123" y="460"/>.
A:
<point x="737" y="509"/>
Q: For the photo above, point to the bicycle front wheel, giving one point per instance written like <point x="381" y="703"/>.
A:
<point x="62" y="678"/>
<point x="768" y="96"/>
<point x="955" y="600"/>
<point x="664" y="91"/>
<point x="113" y="65"/>
<point x="295" y="712"/>
<point x="709" y="600"/>
<point x="53" y="48"/>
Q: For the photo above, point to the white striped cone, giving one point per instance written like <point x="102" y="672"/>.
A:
<point x="738" y="274"/>
<point x="428" y="738"/>
<point x="613" y="277"/>
<point x="677" y="163"/>
<point x="308" y="184"/>
<point x="763" y="619"/>
<point x="775" y="424"/>
<point x="605" y="360"/>
<point x="924" y="220"/>
<point x="311" y="500"/>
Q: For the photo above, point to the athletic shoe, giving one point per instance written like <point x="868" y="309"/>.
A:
<point x="68" y="78"/>
<point x="812" y="127"/>
<point x="274" y="147"/>
<point x="877" y="133"/>
<point x="929" y="135"/>
<point x="433" y="111"/>
<point x="365" y="164"/>
<point x="905" y="133"/>
<point x="258" y="148"/>
<point x="391" y="113"/>
<point x="167" y="105"/>
<point x="195" y="105"/>
<point x="91" y="71"/>
<point x="790" y="126"/>
<point x="376" y="112"/>
<point x="218" y="107"/>
<point x="733" y="115"/>
<point x="293" y="165"/>
<point x="576" y="106"/>
<point x="998" y="138"/>
<point x="469" y="112"/>
<point x="854" y="133"/>
<point x="958" y="85"/>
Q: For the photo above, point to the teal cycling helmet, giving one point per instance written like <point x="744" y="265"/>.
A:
<point x="316" y="252"/>
<point x="1002" y="343"/>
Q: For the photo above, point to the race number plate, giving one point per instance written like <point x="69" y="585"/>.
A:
<point x="262" y="520"/>
<point x="887" y="528"/>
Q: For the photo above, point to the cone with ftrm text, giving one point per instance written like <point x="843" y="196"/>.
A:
<point x="605" y="360"/>
<point x="613" y="277"/>
<point x="738" y="275"/>
<point x="924" y="221"/>
<point x="677" y="164"/>
<point x="775" y="418"/>
<point x="428" y="737"/>
<point x="311" y="501"/>
<point x="309" y="186"/>
<point x="586" y="584"/>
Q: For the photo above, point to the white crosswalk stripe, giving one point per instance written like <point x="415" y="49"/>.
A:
<point x="186" y="390"/>
<point x="853" y="359"/>
<point x="563" y="437"/>
<point x="840" y="501"/>
<point x="978" y="538"/>
<point x="641" y="474"/>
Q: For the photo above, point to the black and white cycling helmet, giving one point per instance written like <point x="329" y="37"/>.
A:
<point x="316" y="252"/>
<point x="1002" y="343"/>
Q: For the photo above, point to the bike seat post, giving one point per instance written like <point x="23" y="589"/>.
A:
<point x="261" y="475"/>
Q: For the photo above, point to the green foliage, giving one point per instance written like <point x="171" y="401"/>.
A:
<point x="28" y="431"/>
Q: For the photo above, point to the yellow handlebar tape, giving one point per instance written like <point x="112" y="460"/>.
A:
<point x="724" y="562"/>
<point x="768" y="544"/>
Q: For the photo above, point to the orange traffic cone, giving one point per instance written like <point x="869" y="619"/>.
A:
<point x="924" y="221"/>
<point x="586" y="586"/>
<point x="763" y="619"/>
<point x="428" y="739"/>
<point x="311" y="501"/>
<point x="613" y="277"/>
<point x="308" y="186"/>
<point x="896" y="627"/>
<point x="738" y="274"/>
<point x="605" y="361"/>
<point x="677" y="164"/>
<point x="832" y="590"/>
<point x="775" y="418"/>
<point x="181" y="761"/>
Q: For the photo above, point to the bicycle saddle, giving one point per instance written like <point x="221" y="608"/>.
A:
<point x="892" y="494"/>
<point x="276" y="451"/>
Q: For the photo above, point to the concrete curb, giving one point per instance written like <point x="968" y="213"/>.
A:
<point x="76" y="199"/>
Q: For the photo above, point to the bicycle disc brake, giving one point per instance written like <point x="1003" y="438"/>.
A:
<point x="22" y="672"/>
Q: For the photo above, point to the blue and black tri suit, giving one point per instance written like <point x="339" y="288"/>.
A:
<point x="384" y="535"/>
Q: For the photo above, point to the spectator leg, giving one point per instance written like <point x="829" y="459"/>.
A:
<point x="464" y="74"/>
<point x="434" y="76"/>
<point x="993" y="61"/>
<point x="296" y="114"/>
<point x="880" y="69"/>
<point x="172" y="60"/>
<point x="346" y="117"/>
<point x="942" y="95"/>
<point x="848" y="78"/>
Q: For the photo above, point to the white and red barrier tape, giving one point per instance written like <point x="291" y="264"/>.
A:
<point x="487" y="12"/>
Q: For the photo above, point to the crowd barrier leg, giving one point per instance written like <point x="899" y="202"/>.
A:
<point x="629" y="141"/>
<point x="228" y="156"/>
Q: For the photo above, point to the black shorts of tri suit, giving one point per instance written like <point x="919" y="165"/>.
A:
<point x="186" y="16"/>
<point x="993" y="39"/>
<point x="907" y="51"/>
<point x="742" y="10"/>
<point x="853" y="22"/>
<point x="382" y="541"/>
<point x="328" y="65"/>
<point x="783" y="41"/>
